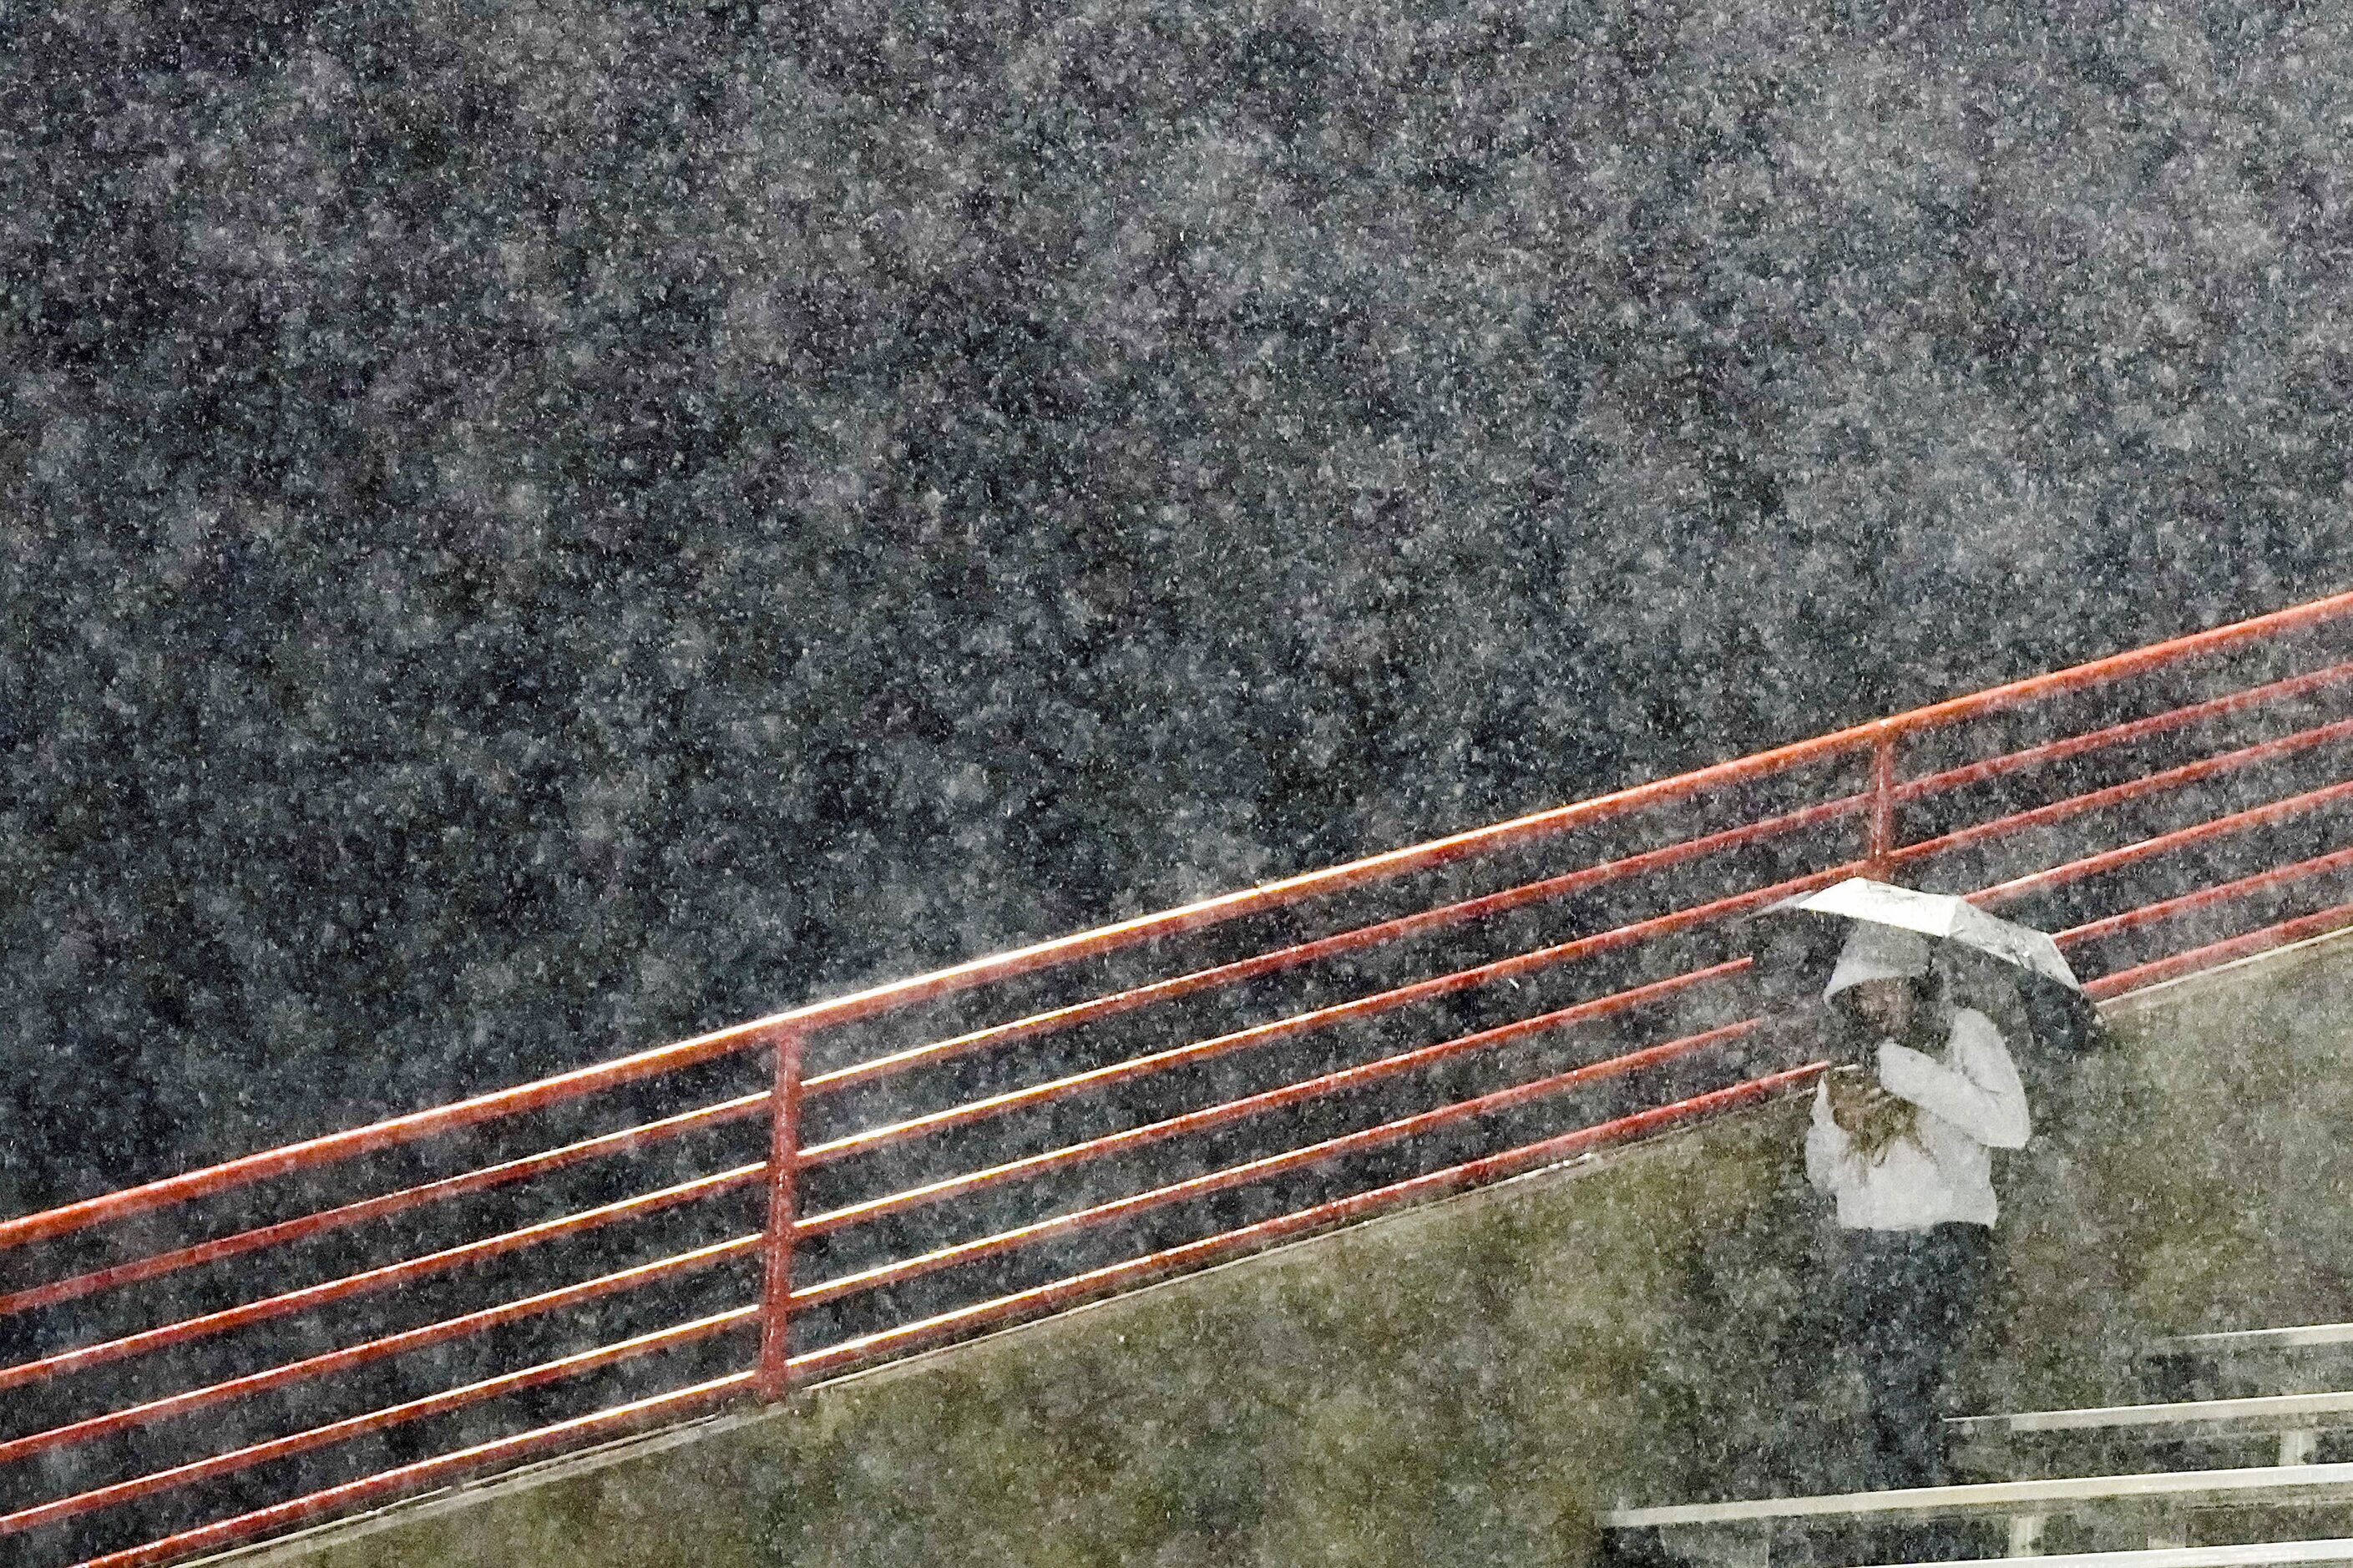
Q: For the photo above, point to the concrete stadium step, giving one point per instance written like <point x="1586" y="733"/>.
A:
<point x="2298" y="1419"/>
<point x="1742" y="1533"/>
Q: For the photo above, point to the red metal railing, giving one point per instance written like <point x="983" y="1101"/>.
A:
<point x="369" y="1313"/>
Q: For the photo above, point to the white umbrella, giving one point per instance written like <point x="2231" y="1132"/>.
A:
<point x="1955" y="919"/>
<point x="2060" y="1016"/>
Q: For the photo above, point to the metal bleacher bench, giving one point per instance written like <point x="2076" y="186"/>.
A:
<point x="2298" y="1418"/>
<point x="2229" y="1361"/>
<point x="1743" y="1532"/>
<point x="2309" y="1345"/>
<point x="2250" y="1554"/>
<point x="2152" y="1505"/>
<point x="2301" y="1336"/>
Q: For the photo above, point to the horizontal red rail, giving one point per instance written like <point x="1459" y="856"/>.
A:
<point x="2320" y="923"/>
<point x="638" y="1414"/>
<point x="2240" y="888"/>
<point x="1361" y="937"/>
<point x="1462" y="910"/>
<point x="374" y="1421"/>
<point x="2130" y="790"/>
<point x="2070" y="746"/>
<point x="400" y="1130"/>
<point x="1269" y="1165"/>
<point x="888" y="1342"/>
<point x="1359" y="1007"/>
<point x="1574" y="881"/>
<point x="311" y="1296"/>
<point x="624" y="1141"/>
<point x="1228" y="1111"/>
<point x="189" y="1402"/>
<point x="2165" y="843"/>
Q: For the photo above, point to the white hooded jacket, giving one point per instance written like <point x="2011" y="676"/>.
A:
<point x="1970" y="1102"/>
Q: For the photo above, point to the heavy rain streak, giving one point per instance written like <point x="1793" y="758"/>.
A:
<point x="529" y="530"/>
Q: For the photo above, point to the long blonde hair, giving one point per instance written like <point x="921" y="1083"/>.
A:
<point x="1927" y="1028"/>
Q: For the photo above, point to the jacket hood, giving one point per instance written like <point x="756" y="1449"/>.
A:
<point x="1874" y="951"/>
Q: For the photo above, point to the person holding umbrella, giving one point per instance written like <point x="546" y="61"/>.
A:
<point x="1919" y="1094"/>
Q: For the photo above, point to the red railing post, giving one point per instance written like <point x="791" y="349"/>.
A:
<point x="773" y="1379"/>
<point x="1883" y="802"/>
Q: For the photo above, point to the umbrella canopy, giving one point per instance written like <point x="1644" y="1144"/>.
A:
<point x="1943" y="916"/>
<point x="2057" y="1015"/>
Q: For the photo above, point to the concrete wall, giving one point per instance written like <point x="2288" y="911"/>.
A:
<point x="1465" y="1384"/>
<point x="2196" y="1177"/>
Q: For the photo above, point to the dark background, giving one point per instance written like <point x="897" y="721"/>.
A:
<point x="528" y="528"/>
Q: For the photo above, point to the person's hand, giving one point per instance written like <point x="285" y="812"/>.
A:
<point x="1865" y="1111"/>
<point x="1856" y="1094"/>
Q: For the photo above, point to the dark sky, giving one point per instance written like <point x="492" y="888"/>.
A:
<point x="527" y="529"/>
